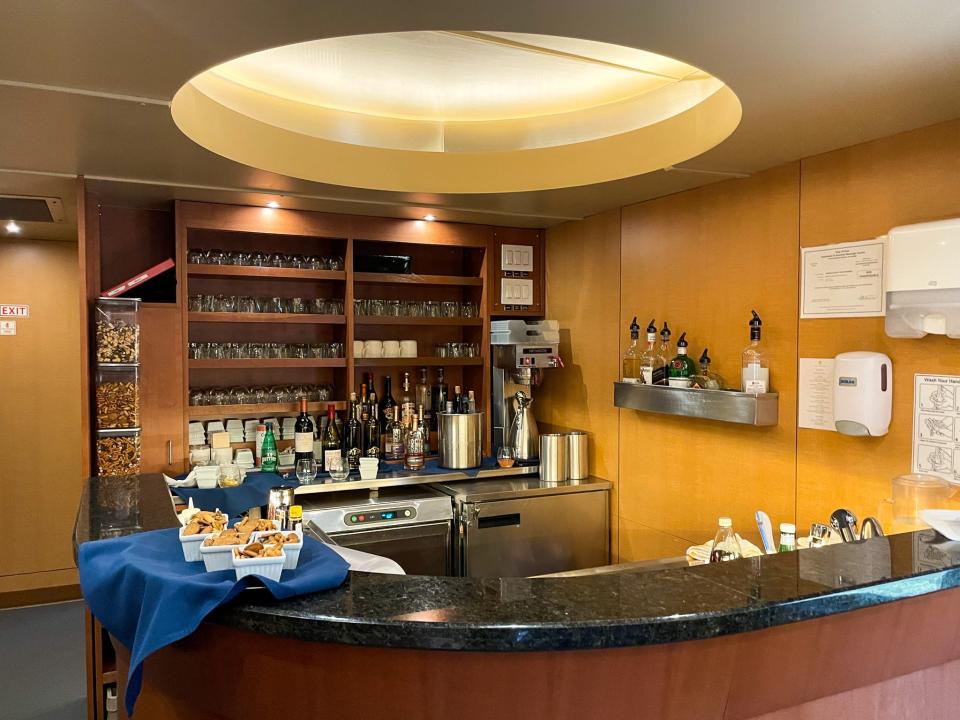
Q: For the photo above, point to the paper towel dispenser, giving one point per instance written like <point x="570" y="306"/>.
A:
<point x="922" y="279"/>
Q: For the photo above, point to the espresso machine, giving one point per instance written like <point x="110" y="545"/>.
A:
<point x="520" y="351"/>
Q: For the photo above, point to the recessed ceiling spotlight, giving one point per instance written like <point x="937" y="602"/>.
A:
<point x="273" y="204"/>
<point x="429" y="218"/>
<point x="12" y="227"/>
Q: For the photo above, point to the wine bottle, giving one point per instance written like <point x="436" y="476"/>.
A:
<point x="372" y="429"/>
<point x="268" y="451"/>
<point x="354" y="438"/>
<point x="387" y="404"/>
<point x="458" y="402"/>
<point x="422" y="397"/>
<point x="332" y="458"/>
<point x="408" y="406"/>
<point x="303" y="434"/>
<point x="438" y="398"/>
<point x="413" y="457"/>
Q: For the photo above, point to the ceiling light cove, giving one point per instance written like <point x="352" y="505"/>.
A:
<point x="456" y="112"/>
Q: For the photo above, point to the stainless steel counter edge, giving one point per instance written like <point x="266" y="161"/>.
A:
<point x="402" y="479"/>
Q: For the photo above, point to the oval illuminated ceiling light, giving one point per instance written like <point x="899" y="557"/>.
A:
<point x="456" y="112"/>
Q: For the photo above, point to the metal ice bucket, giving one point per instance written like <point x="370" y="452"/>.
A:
<point x="460" y="440"/>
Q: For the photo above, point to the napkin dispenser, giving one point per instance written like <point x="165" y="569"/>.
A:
<point x="922" y="280"/>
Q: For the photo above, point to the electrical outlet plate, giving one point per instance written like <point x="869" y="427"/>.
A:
<point x="516" y="258"/>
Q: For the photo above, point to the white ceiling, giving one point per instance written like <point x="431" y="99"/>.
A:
<point x="84" y="86"/>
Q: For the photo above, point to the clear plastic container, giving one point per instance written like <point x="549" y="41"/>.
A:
<point x="117" y="397"/>
<point x="915" y="492"/>
<point x="118" y="330"/>
<point x="118" y="452"/>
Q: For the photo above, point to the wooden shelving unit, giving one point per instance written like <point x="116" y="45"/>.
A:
<point x="268" y="363"/>
<point x="291" y="318"/>
<point x="217" y="412"/>
<point x="418" y="362"/>
<point x="263" y="273"/>
<point x="425" y="321"/>
<point x="412" y="279"/>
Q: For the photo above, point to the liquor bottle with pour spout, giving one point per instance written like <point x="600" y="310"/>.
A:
<point x="682" y="368"/>
<point x="631" y="356"/>
<point x="755" y="370"/>
<point x="650" y="361"/>
<point x="706" y="379"/>
<point x="663" y="357"/>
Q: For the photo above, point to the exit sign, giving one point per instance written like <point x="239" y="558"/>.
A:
<point x="14" y="311"/>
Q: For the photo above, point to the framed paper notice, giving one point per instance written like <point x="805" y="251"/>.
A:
<point x="842" y="280"/>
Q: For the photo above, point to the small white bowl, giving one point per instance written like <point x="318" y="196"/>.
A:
<point x="217" y="557"/>
<point x="267" y="567"/>
<point x="368" y="470"/>
<point x="191" y="545"/>
<point x="290" y="550"/>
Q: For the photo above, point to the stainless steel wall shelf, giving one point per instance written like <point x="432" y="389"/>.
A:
<point x="723" y="405"/>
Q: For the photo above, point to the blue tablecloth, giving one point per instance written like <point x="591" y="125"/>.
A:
<point x="254" y="492"/>
<point x="147" y="597"/>
<point x="256" y="487"/>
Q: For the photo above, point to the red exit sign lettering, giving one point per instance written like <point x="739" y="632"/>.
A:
<point x="17" y="311"/>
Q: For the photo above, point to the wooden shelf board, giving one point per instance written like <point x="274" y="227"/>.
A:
<point x="390" y="320"/>
<point x="267" y="363"/>
<point x="409" y="362"/>
<point x="263" y="273"/>
<point x="279" y="318"/>
<point x="217" y="412"/>
<point x="411" y="279"/>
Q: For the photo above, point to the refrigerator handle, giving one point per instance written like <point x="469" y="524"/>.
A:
<point x="467" y="514"/>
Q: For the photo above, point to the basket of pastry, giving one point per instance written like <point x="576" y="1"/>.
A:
<point x="201" y="526"/>
<point x="257" y="558"/>
<point x="292" y="541"/>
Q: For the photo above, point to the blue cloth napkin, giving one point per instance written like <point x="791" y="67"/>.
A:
<point x="148" y="597"/>
<point x="235" y="501"/>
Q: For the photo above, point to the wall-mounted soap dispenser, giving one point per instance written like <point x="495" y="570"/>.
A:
<point x="922" y="279"/>
<point x="862" y="393"/>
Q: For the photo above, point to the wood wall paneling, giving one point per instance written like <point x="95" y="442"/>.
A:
<point x="583" y="295"/>
<point x="859" y="193"/>
<point x="701" y="260"/>
<point x="161" y="406"/>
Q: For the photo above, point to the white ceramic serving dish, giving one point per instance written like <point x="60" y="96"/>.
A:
<point x="207" y="476"/>
<point x="217" y="557"/>
<point x="191" y="545"/>
<point x="945" y="522"/>
<point x="269" y="567"/>
<point x="291" y="550"/>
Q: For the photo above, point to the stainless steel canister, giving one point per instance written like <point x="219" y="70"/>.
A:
<point x="553" y="457"/>
<point x="460" y="440"/>
<point x="279" y="502"/>
<point x="578" y="464"/>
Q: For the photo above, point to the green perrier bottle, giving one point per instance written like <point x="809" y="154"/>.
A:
<point x="268" y="451"/>
<point x="681" y="369"/>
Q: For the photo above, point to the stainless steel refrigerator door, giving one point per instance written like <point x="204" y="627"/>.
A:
<point x="533" y="536"/>
<point x="423" y="549"/>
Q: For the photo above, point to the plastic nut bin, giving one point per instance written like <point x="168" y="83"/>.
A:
<point x="118" y="330"/>
<point x="118" y="452"/>
<point x="117" y="397"/>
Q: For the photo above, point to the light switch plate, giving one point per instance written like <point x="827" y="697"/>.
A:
<point x="516" y="258"/>
<point x="515" y="291"/>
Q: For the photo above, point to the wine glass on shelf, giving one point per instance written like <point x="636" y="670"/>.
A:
<point x="306" y="470"/>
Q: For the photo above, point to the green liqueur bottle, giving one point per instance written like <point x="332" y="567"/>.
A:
<point x="268" y="451"/>
<point x="682" y="368"/>
<point x="660" y="371"/>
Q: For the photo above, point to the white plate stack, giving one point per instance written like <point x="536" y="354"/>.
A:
<point x="289" y="425"/>
<point x="197" y="436"/>
<point x="235" y="428"/>
<point x="215" y="426"/>
<point x="276" y="426"/>
<point x="250" y="430"/>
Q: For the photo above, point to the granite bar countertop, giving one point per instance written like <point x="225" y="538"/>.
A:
<point x="615" y="609"/>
